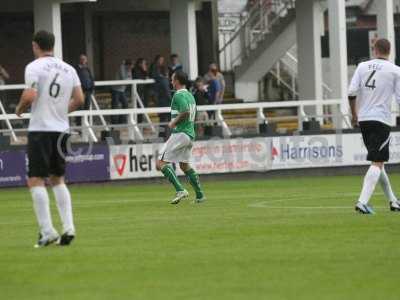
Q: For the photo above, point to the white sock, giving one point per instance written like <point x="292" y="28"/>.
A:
<point x="370" y="180"/>
<point x="42" y="210"/>
<point x="63" y="199"/>
<point x="387" y="188"/>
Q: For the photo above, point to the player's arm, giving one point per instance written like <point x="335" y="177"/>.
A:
<point x="28" y="96"/>
<point x="354" y="88"/>
<point x="354" y="117"/>
<point x="77" y="99"/>
<point x="184" y="112"/>
<point x="183" y="116"/>
<point x="397" y="87"/>
<point x="30" y="92"/>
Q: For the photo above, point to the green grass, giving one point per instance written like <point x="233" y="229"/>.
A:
<point x="293" y="238"/>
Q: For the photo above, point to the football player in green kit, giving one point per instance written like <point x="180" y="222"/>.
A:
<point x="178" y="148"/>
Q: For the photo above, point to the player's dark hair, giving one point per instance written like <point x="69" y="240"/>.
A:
<point x="44" y="39"/>
<point x="181" y="77"/>
<point x="174" y="55"/>
<point x="382" y="46"/>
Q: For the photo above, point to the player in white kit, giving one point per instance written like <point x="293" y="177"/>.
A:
<point x="371" y="92"/>
<point x="53" y="90"/>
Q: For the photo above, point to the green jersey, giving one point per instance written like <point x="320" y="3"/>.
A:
<point x="183" y="101"/>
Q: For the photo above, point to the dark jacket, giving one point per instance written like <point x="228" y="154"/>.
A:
<point x="86" y="78"/>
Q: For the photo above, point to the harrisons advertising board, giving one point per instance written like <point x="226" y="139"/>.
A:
<point x="214" y="156"/>
<point x="290" y="152"/>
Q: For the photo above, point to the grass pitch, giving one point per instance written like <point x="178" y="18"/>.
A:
<point x="293" y="238"/>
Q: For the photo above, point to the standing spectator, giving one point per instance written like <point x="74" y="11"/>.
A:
<point x="213" y="91"/>
<point x="175" y="64"/>
<point x="199" y="92"/>
<point x="213" y="71"/>
<point x="87" y="82"/>
<point x="140" y="71"/>
<point x="3" y="75"/>
<point x="118" y="92"/>
<point x="159" y="72"/>
<point x="214" y="88"/>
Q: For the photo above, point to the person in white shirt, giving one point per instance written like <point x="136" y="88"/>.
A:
<point x="371" y="92"/>
<point x="53" y="90"/>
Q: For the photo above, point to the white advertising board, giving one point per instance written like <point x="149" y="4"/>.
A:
<point x="213" y="156"/>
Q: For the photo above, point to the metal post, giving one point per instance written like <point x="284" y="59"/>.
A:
<point x="8" y="123"/>
<point x="97" y="107"/>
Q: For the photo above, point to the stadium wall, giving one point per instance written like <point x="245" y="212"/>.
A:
<point x="102" y="162"/>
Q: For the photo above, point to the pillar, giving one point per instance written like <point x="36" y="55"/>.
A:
<point x="184" y="34"/>
<point x="338" y="53"/>
<point x="308" y="29"/>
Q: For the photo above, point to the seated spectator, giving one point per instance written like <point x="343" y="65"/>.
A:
<point x="87" y="82"/>
<point x="140" y="71"/>
<point x="175" y="65"/>
<point x="199" y="92"/>
<point x="214" y="70"/>
<point x="118" y="92"/>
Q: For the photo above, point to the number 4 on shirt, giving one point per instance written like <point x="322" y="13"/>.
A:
<point x="370" y="81"/>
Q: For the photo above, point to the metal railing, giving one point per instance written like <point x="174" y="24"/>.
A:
<point x="88" y="132"/>
<point x="287" y="65"/>
<point x="94" y="106"/>
<point x="254" y="23"/>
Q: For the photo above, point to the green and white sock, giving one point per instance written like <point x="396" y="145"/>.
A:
<point x="193" y="178"/>
<point x="170" y="174"/>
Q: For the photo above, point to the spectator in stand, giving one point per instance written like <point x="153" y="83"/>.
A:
<point x="118" y="93"/>
<point x="140" y="71"/>
<point x="175" y="64"/>
<point x="213" y="71"/>
<point x="213" y="91"/>
<point x="3" y="75"/>
<point x="159" y="72"/>
<point x="87" y="83"/>
<point x="199" y="92"/>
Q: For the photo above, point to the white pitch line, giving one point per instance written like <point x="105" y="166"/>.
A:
<point x="317" y="207"/>
<point x="264" y="204"/>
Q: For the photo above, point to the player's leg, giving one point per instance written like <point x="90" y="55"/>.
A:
<point x="387" y="189"/>
<point x="370" y="181"/>
<point x="60" y="190"/>
<point x="170" y="154"/>
<point x="194" y="180"/>
<point x="64" y="205"/>
<point x="38" y="167"/>
<point x="168" y="171"/>
<point x="376" y="138"/>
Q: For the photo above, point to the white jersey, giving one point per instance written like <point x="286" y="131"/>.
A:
<point x="375" y="82"/>
<point x="54" y="81"/>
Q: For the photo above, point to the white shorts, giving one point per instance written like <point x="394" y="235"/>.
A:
<point x="178" y="148"/>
